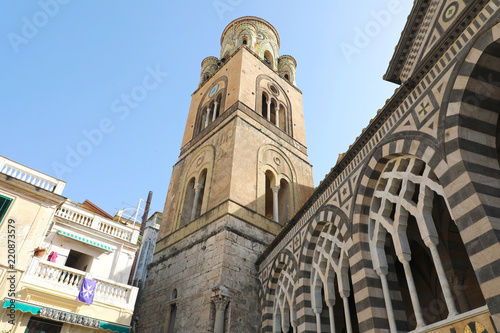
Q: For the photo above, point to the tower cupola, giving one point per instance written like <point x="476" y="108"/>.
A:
<point x="256" y="34"/>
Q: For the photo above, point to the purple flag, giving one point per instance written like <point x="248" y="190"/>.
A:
<point x="87" y="290"/>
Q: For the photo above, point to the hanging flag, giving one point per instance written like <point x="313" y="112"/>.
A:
<point x="87" y="291"/>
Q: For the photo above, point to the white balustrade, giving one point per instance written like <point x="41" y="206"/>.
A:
<point x="66" y="279"/>
<point x="76" y="215"/>
<point x="59" y="275"/>
<point x="31" y="176"/>
<point x="106" y="226"/>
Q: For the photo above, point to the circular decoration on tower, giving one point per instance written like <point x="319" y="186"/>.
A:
<point x="261" y="36"/>
<point x="475" y="327"/>
<point x="450" y="11"/>
<point x="277" y="160"/>
<point x="213" y="91"/>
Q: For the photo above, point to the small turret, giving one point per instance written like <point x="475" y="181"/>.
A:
<point x="287" y="66"/>
<point x="209" y="66"/>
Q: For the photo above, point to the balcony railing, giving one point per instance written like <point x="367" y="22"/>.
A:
<point x="31" y="176"/>
<point x="62" y="279"/>
<point x="96" y="222"/>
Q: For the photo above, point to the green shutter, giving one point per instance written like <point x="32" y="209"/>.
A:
<point x="4" y="206"/>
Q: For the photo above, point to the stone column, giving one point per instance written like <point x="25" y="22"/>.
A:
<point x="317" y="312"/>
<point x="220" y="297"/>
<point x="344" y="294"/>
<point x="431" y="243"/>
<point x="197" y="189"/>
<point x="330" y="303"/>
<point x="405" y="260"/>
<point x="269" y="111"/>
<point x="277" y="120"/>
<point x="215" y="112"/>
<point x="275" y="203"/>
<point x="456" y="281"/>
<point x="207" y="118"/>
<point x="382" y="273"/>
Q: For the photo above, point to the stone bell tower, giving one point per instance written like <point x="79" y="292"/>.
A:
<point x="242" y="174"/>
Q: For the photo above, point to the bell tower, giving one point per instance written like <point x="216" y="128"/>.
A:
<point x="241" y="175"/>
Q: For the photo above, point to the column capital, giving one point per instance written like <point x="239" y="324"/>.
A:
<point x="220" y="297"/>
<point x="276" y="188"/>
<point x="382" y="271"/>
<point x="220" y="302"/>
<point x="198" y="186"/>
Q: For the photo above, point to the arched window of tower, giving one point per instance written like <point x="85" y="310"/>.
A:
<point x="265" y="104"/>
<point x="200" y="187"/>
<point x="188" y="202"/>
<point x="281" y="119"/>
<point x="270" y="182"/>
<point x="271" y="116"/>
<point x="283" y="201"/>
<point x="268" y="58"/>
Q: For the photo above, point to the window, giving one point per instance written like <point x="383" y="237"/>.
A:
<point x="269" y="194"/>
<point x="4" y="206"/>
<point x="79" y="261"/>
<point x="283" y="202"/>
<point x="268" y="58"/>
<point x="39" y="325"/>
<point x="193" y="201"/>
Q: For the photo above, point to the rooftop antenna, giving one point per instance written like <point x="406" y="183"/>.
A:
<point x="131" y="213"/>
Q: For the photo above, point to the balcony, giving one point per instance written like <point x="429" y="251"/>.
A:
<point x="58" y="279"/>
<point x="98" y="223"/>
<point x="31" y="176"/>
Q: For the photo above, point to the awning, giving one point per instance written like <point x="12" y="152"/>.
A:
<point x="22" y="306"/>
<point x="85" y="240"/>
<point x="63" y="316"/>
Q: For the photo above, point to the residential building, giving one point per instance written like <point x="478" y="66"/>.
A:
<point x="40" y="289"/>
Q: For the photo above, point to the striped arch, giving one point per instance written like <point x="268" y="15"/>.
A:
<point x="283" y="269"/>
<point x="471" y="142"/>
<point x="329" y="214"/>
<point x="366" y="283"/>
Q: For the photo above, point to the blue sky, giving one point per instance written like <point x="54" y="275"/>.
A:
<point x="67" y="67"/>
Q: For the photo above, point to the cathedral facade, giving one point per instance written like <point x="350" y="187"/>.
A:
<point x="402" y="235"/>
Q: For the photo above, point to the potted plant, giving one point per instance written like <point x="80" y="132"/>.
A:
<point x="40" y="251"/>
